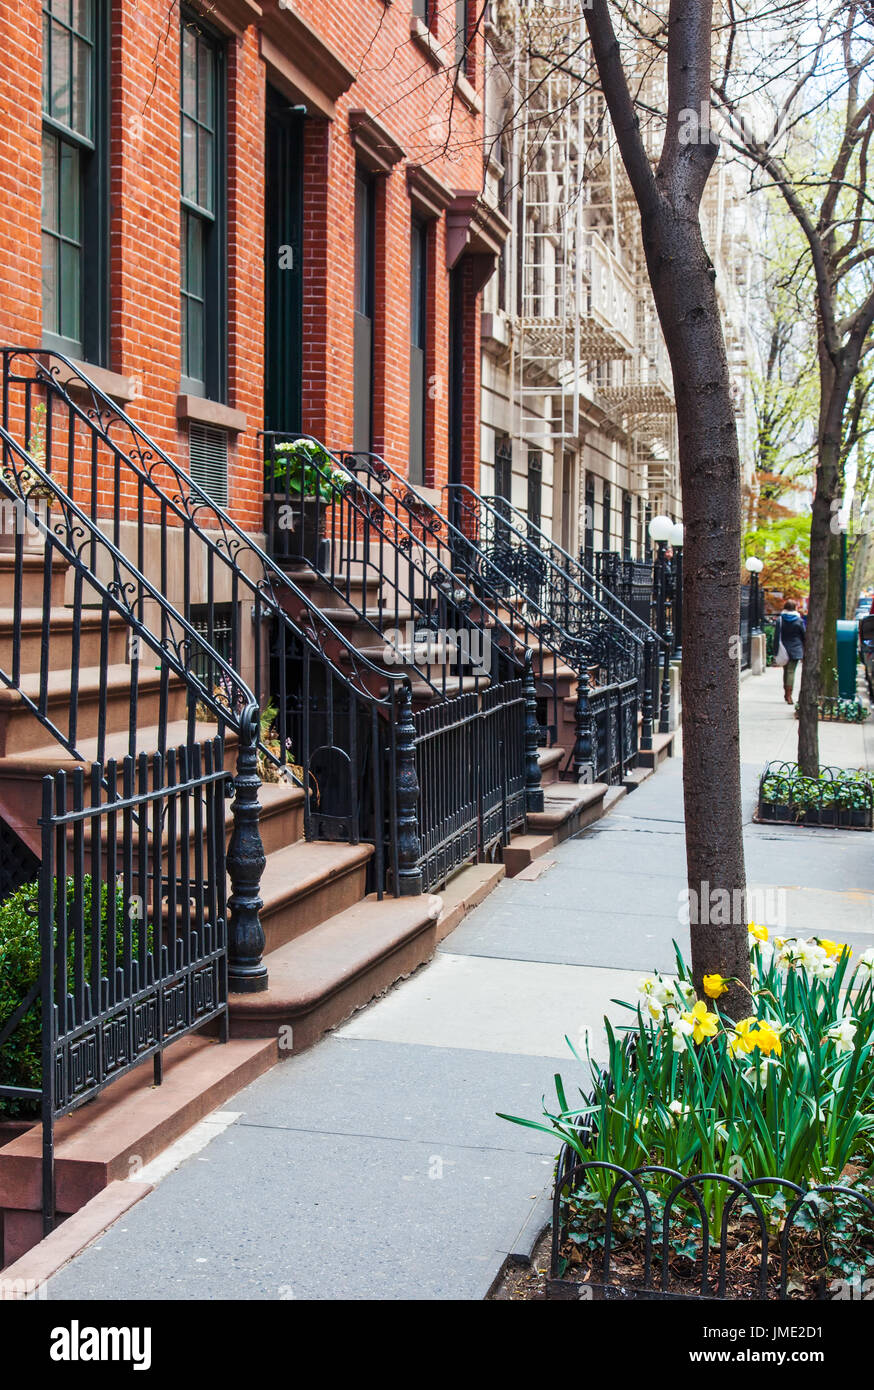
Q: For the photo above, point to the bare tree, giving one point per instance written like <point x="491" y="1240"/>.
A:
<point x="817" y="161"/>
<point x="683" y="284"/>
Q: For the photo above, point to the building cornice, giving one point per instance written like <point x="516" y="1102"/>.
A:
<point x="375" y="147"/>
<point x="309" y="69"/>
<point x="430" y="198"/>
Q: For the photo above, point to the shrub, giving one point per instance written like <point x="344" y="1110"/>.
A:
<point x="20" y="1055"/>
<point x="304" y="468"/>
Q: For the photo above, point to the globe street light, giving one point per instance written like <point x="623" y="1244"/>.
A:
<point x="660" y="529"/>
<point x="676" y="542"/>
<point x="754" y="568"/>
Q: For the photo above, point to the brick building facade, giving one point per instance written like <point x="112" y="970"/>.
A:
<point x="254" y="215"/>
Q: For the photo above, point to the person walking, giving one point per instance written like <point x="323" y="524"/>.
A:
<point x="790" y="631"/>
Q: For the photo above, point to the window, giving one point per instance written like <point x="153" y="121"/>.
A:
<point x="605" y="518"/>
<point x="202" y="230"/>
<point x="535" y="485"/>
<point x="74" y="178"/>
<point x="365" y="277"/>
<point x="462" y="24"/>
<point x="589" y="520"/>
<point x="418" y="347"/>
<point x="422" y="10"/>
<point x="626" y="526"/>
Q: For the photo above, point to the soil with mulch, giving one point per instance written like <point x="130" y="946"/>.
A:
<point x="531" y="1283"/>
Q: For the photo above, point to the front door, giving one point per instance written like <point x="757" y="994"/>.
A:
<point x="283" y="279"/>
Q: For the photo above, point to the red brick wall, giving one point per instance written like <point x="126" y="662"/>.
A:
<point x="396" y="84"/>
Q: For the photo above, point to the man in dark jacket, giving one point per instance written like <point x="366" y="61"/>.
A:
<point x="790" y="631"/>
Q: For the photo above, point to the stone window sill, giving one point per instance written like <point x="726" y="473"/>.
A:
<point x="467" y="93"/>
<point x="122" y="389"/>
<point x="204" y="412"/>
<point x="422" y="37"/>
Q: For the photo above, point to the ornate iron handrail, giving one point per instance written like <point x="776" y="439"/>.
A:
<point x="133" y="474"/>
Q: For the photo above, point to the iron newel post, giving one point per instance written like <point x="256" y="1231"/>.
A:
<point x="246" y="861"/>
<point x="407" y="793"/>
<point x="533" y="788"/>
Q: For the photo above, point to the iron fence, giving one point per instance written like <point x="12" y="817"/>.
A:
<point x="132" y="926"/>
<point x="606" y="732"/>
<point x="653" y="1233"/>
<point x="471" y="771"/>
<point x="838" y="799"/>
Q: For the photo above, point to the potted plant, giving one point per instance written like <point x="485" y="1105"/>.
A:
<point x="301" y="481"/>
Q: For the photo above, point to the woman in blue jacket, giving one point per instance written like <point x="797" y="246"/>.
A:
<point x="790" y="631"/>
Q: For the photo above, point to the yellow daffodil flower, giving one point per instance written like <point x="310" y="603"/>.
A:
<point x="744" y="1037"/>
<point x="703" y="1024"/>
<point x="768" y="1039"/>
<point x="834" y="949"/>
<point x="714" y="985"/>
<point x="760" y="933"/>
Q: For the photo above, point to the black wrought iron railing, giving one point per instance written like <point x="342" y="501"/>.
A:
<point x="519" y="572"/>
<point x="131" y="910"/>
<point x="329" y="715"/>
<point x="476" y="765"/>
<point x="372" y="534"/>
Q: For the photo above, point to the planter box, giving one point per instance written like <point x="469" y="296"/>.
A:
<point x="642" y="1263"/>
<point x="825" y="814"/>
<point x="827" y="817"/>
<point x="295" y="528"/>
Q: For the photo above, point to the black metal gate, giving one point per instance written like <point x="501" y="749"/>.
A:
<point x="132" y="925"/>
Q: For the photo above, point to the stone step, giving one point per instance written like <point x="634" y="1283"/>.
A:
<point x="319" y="979"/>
<point x="308" y="882"/>
<point x="128" y="1123"/>
<point x="32" y="575"/>
<point x="21" y="731"/>
<point x="551" y="761"/>
<point x="63" y="638"/>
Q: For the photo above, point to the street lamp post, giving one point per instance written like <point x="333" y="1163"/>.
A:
<point x="660" y="529"/>
<point x="754" y="569"/>
<point x="676" y="539"/>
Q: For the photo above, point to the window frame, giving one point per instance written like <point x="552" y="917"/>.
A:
<point x="462" y="36"/>
<point x="93" y="193"/>
<point x="213" y="385"/>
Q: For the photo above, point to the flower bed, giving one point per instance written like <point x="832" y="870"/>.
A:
<point x="712" y="1158"/>
<point x="838" y="799"/>
<point x="836" y="711"/>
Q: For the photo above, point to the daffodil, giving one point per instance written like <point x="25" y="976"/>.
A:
<point x="681" y="1029"/>
<point x="768" y="1038"/>
<point x="757" y="933"/>
<point x="866" y="961"/>
<point x="843" y="1034"/>
<point x="758" y="1071"/>
<point x="834" y="949"/>
<point x="702" y="1023"/>
<point x="743" y="1037"/>
<point x="715" y="985"/>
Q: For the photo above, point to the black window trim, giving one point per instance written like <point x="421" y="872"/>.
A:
<point x="94" y="311"/>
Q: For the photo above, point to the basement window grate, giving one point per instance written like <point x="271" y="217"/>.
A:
<point x="208" y="462"/>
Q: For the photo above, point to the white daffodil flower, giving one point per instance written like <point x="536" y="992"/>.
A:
<point x="843" y="1034"/>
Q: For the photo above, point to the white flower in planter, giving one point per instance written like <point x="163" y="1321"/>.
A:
<point x="866" y="961"/>
<point x="681" y="1029"/>
<point x="758" y="1071"/>
<point x="843" y="1034"/>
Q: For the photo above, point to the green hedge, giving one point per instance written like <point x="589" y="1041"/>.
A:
<point x="20" y="1055"/>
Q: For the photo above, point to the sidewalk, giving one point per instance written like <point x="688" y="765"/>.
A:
<point x="374" y="1166"/>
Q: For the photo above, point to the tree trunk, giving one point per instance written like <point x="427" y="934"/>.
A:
<point x="834" y="386"/>
<point x="683" y="284"/>
<point x="682" y="279"/>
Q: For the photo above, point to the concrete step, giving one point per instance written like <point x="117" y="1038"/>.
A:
<point x="308" y="882"/>
<point x="319" y="979"/>
<point x="662" y="747"/>
<point x="129" y="1123"/>
<point x="550" y="761"/>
